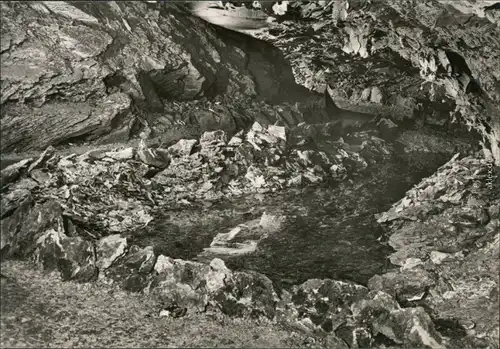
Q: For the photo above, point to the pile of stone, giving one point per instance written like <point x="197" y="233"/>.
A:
<point x="349" y="315"/>
<point x="104" y="192"/>
<point x="446" y="235"/>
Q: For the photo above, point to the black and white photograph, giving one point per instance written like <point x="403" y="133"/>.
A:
<point x="250" y="174"/>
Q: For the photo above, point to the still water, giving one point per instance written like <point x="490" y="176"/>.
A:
<point x="330" y="231"/>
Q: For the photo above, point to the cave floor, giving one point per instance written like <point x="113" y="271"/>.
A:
<point x="39" y="310"/>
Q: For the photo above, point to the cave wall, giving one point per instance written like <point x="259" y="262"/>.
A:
<point x="436" y="62"/>
<point x="83" y="70"/>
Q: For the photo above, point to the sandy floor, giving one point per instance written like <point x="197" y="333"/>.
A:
<point x="41" y="311"/>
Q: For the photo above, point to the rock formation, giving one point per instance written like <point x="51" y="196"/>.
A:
<point x="96" y="70"/>
<point x="435" y="63"/>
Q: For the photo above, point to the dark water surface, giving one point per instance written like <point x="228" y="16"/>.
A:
<point x="330" y="232"/>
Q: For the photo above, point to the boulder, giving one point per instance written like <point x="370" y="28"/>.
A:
<point x="73" y="257"/>
<point x="194" y="286"/>
<point x="132" y="270"/>
<point x="406" y="286"/>
<point x="320" y="305"/>
<point x="21" y="229"/>
<point x="183" y="147"/>
<point x="247" y="294"/>
<point x="109" y="249"/>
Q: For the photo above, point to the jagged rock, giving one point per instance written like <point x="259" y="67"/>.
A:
<point x="255" y="177"/>
<point x="13" y="200"/>
<point x="320" y="304"/>
<point x="443" y="220"/>
<point x="235" y="141"/>
<point x="277" y="131"/>
<point x="132" y="270"/>
<point x="43" y="177"/>
<point x="42" y="159"/>
<point x="24" y="184"/>
<point x="376" y="95"/>
<point x="411" y="326"/>
<point x="159" y="158"/>
<point x="16" y="207"/>
<point x="12" y="172"/>
<point x="21" y="229"/>
<point x="375" y="304"/>
<point x="73" y="257"/>
<point x="193" y="286"/>
<point x="213" y="138"/>
<point x="108" y="249"/>
<point x="406" y="286"/>
<point x="247" y="294"/>
<point x="339" y="11"/>
<point x="183" y="147"/>
<point x="181" y="284"/>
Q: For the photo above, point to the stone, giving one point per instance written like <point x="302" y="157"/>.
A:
<point x="121" y="155"/>
<point x="410" y="327"/>
<point x="158" y="158"/>
<point x="41" y="177"/>
<point x="257" y="127"/>
<point x="12" y="172"/>
<point x="235" y="141"/>
<point x="325" y="303"/>
<point x="376" y="95"/>
<point x="42" y="159"/>
<point x="271" y="223"/>
<point x="247" y="294"/>
<point x="108" y="249"/>
<point x="376" y="304"/>
<point x="255" y="177"/>
<point x="181" y="284"/>
<point x="277" y="131"/>
<point x="133" y="269"/>
<point x="194" y="286"/>
<point x="163" y="264"/>
<point x="407" y="285"/>
<point x="73" y="257"/>
<point x="21" y="229"/>
<point x="213" y="138"/>
<point x="183" y="147"/>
